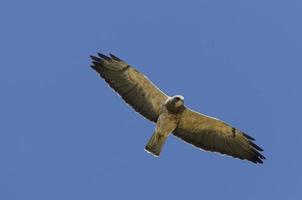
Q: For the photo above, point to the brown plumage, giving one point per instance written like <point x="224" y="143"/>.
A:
<point x="171" y="115"/>
<point x="132" y="86"/>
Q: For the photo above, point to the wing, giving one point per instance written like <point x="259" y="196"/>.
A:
<point x="134" y="87"/>
<point x="214" y="135"/>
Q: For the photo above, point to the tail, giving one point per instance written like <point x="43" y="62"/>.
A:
<point x="156" y="143"/>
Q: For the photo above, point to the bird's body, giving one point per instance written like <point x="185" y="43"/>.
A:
<point x="171" y="115"/>
<point x="166" y="123"/>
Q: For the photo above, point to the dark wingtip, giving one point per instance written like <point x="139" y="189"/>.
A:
<point x="93" y="67"/>
<point x="255" y="146"/>
<point x="95" y="63"/>
<point x="104" y="56"/>
<point x="257" y="160"/>
<point x="256" y="156"/>
<point x="248" y="137"/>
<point x="262" y="156"/>
<point x="260" y="161"/>
<point x="114" y="57"/>
<point x="94" y="58"/>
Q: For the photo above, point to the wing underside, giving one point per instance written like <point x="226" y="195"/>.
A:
<point x="214" y="135"/>
<point x="134" y="87"/>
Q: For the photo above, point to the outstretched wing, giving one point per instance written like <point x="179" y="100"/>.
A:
<point x="214" y="135"/>
<point x="134" y="87"/>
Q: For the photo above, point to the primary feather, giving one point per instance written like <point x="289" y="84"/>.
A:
<point x="135" y="88"/>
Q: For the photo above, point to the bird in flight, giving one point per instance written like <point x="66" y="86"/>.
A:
<point x="171" y="115"/>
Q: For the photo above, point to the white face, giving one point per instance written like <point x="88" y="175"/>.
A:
<point x="178" y="101"/>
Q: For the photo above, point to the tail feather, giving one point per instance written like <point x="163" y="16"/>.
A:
<point x="155" y="144"/>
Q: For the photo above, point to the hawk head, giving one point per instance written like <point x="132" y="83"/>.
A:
<point x="175" y="104"/>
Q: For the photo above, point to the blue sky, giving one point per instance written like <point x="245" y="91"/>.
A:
<point x="65" y="135"/>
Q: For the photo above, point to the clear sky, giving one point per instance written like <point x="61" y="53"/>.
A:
<point x="64" y="134"/>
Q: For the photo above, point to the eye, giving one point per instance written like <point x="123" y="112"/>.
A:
<point x="179" y="98"/>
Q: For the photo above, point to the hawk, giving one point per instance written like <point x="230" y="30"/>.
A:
<point x="171" y="115"/>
